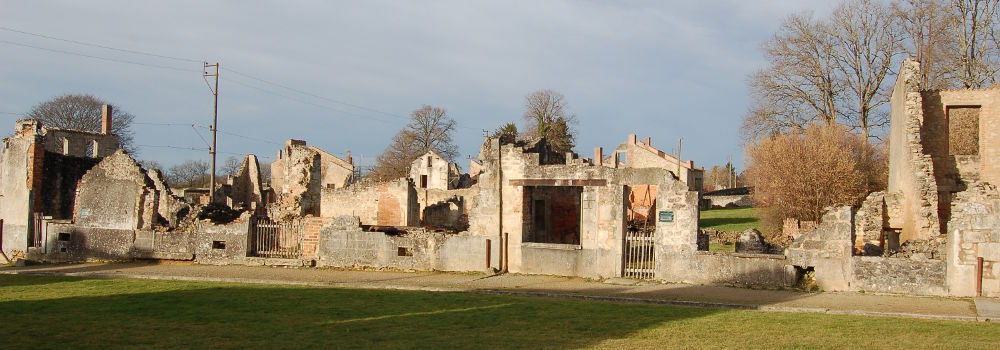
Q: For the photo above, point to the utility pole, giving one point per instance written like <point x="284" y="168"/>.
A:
<point x="215" y="121"/>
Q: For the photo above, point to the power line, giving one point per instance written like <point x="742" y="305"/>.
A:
<point x="99" y="45"/>
<point x="307" y="102"/>
<point x="96" y="57"/>
<point x="314" y="95"/>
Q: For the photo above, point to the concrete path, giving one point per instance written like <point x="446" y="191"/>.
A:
<point x="547" y="286"/>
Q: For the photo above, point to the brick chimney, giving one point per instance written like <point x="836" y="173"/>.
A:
<point x="631" y="138"/>
<point x="598" y="156"/>
<point x="649" y="141"/>
<point x="106" y="113"/>
<point x="348" y="158"/>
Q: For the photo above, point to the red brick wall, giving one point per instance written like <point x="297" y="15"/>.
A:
<point x="310" y="235"/>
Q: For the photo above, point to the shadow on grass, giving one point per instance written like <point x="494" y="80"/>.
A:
<point x="240" y="316"/>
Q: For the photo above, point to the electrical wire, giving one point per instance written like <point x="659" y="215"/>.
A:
<point x="98" y="57"/>
<point x="99" y="45"/>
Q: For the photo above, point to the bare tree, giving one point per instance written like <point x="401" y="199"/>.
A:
<point x="546" y="112"/>
<point x="866" y="43"/>
<point x="975" y="61"/>
<point x="829" y="71"/>
<point x="83" y="112"/>
<point x="924" y="25"/>
<point x="800" y="84"/>
<point x="231" y="165"/>
<point x="192" y="173"/>
<point x="430" y="129"/>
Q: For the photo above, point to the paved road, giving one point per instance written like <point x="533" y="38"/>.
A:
<point x="568" y="287"/>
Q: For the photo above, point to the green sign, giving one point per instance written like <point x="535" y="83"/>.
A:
<point x="666" y="216"/>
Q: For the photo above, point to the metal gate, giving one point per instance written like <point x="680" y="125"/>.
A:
<point x="638" y="250"/>
<point x="269" y="239"/>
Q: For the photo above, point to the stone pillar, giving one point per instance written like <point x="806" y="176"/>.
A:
<point x="106" y="112"/>
<point x="598" y="156"/>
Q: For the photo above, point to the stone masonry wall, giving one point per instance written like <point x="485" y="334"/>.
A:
<point x="974" y="233"/>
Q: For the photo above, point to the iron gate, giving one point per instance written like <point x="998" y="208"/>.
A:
<point x="270" y="239"/>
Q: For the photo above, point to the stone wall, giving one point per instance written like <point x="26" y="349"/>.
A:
<point x="66" y="242"/>
<point x="759" y="270"/>
<point x="828" y="250"/>
<point x="868" y="225"/>
<point x="116" y="194"/>
<point x="911" y="171"/>
<point x="898" y="275"/>
<point x="343" y="244"/>
<point x="392" y="203"/>
<point x="974" y="233"/>
<point x="222" y="244"/>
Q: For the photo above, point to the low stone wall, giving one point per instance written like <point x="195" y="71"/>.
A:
<point x="344" y="244"/>
<point x="827" y="250"/>
<point x="67" y="242"/>
<point x="899" y="275"/>
<point x="760" y="270"/>
<point x="222" y="244"/>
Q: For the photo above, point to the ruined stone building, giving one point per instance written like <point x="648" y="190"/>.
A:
<point x="936" y="230"/>
<point x="641" y="154"/>
<point x="301" y="172"/>
<point x="39" y="170"/>
<point x="431" y="171"/>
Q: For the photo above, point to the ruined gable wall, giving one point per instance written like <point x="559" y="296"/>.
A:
<point x="336" y="172"/>
<point x="437" y="172"/>
<point x="116" y="194"/>
<point x="246" y="187"/>
<point x="911" y="171"/>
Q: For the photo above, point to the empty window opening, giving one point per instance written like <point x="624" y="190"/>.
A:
<point x="423" y="181"/>
<point x="65" y="146"/>
<point x="552" y="214"/>
<point x="403" y="251"/>
<point x="428" y="162"/>
<point x="218" y="244"/>
<point x="963" y="131"/>
<point x="65" y="236"/>
<point x="93" y="149"/>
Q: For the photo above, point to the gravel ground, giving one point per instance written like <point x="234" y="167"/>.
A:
<point x="553" y="286"/>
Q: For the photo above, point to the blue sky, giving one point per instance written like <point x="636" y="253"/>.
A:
<point x="662" y="69"/>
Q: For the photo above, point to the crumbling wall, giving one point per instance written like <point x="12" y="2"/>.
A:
<point x="828" y="250"/>
<point x="342" y="243"/>
<point x="974" y="233"/>
<point x="246" y="192"/>
<point x="869" y="223"/>
<point x="15" y="193"/>
<point x="911" y="171"/>
<point x="300" y="181"/>
<point x="450" y="207"/>
<point x="116" y="194"/>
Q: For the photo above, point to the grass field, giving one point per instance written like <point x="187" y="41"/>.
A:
<point x="731" y="220"/>
<point x="60" y="312"/>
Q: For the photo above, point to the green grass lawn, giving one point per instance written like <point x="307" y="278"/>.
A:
<point x="60" y="312"/>
<point x="731" y="220"/>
